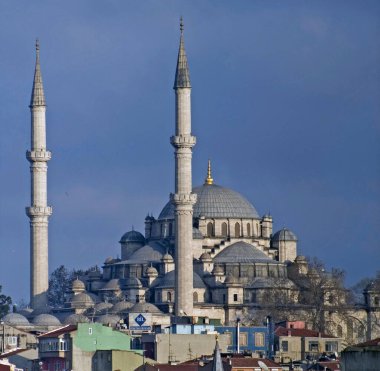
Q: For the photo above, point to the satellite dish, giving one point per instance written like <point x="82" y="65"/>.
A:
<point x="263" y="366"/>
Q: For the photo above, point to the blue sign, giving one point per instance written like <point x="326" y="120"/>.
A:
<point x="140" y="320"/>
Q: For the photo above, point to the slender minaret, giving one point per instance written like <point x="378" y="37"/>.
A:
<point x="38" y="212"/>
<point x="183" y="200"/>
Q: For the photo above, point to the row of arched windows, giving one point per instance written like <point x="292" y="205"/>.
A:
<point x="224" y="230"/>
<point x="169" y="297"/>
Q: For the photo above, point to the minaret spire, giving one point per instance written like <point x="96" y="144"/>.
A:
<point x="38" y="96"/>
<point x="39" y="211"/>
<point x="182" y="74"/>
<point x="183" y="199"/>
<point x="209" y="179"/>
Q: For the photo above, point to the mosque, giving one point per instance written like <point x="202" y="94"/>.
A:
<point x="209" y="253"/>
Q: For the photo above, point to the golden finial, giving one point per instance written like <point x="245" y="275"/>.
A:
<point x="209" y="179"/>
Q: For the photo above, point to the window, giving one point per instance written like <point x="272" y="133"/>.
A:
<point x="169" y="296"/>
<point x="313" y="346"/>
<point x="243" y="339"/>
<point x="248" y="230"/>
<point x="224" y="229"/>
<point x="254" y="297"/>
<point x="350" y="329"/>
<point x="12" y="340"/>
<point x="259" y="339"/>
<point x="210" y="230"/>
<point x="229" y="337"/>
<point x="339" y="330"/>
<point x="235" y="297"/>
<point x="376" y="300"/>
<point x="195" y="297"/>
<point x="90" y="330"/>
<point x="331" y="346"/>
<point x="284" y="346"/>
<point x="170" y="229"/>
<point x="237" y="230"/>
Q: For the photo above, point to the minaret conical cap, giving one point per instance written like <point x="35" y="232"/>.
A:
<point x="38" y="96"/>
<point x="182" y="74"/>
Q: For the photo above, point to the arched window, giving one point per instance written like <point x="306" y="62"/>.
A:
<point x="237" y="229"/>
<point x="224" y="229"/>
<point x="248" y="230"/>
<point x="254" y="297"/>
<point x="339" y="331"/>
<point x="170" y="229"/>
<point x="210" y="229"/>
<point x="195" y="297"/>
<point x="169" y="296"/>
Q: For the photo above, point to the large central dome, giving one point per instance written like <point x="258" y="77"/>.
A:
<point x="214" y="201"/>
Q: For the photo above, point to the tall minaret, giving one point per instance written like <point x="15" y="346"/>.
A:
<point x="38" y="212"/>
<point x="183" y="200"/>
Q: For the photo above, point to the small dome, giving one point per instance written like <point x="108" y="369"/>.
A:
<point x="109" y="260"/>
<point x="167" y="257"/>
<point x="112" y="285"/>
<point x="151" y="271"/>
<point x="121" y="307"/>
<point x="300" y="259"/>
<point x="231" y="280"/>
<point x="15" y="319"/>
<point x="205" y="257"/>
<point x="132" y="282"/>
<point x="82" y="299"/>
<point x="132" y="236"/>
<point x="78" y="285"/>
<point x="284" y="235"/>
<point x="218" y="270"/>
<point x="145" y="308"/>
<point x="108" y="319"/>
<point x="74" y="319"/>
<point x="148" y="253"/>
<point x="46" y="320"/>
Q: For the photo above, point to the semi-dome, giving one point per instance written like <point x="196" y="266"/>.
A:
<point x="132" y="282"/>
<point x="102" y="307"/>
<point x="145" y="308"/>
<point x="46" y="320"/>
<point x="242" y="252"/>
<point x="284" y="234"/>
<point x="148" y="253"/>
<point x="111" y="285"/>
<point x="132" y="236"/>
<point x="15" y="319"/>
<point x="84" y="298"/>
<point x="214" y="201"/>
<point x="168" y="281"/>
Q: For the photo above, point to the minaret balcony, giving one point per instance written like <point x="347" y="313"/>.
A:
<point x="183" y="198"/>
<point x="183" y="141"/>
<point x="39" y="211"/>
<point x="40" y="155"/>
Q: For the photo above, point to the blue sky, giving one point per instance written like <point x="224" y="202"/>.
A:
<point x="285" y="103"/>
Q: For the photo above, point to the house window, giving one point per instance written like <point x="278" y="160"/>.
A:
<point x="243" y="339"/>
<point x="90" y="330"/>
<point x="229" y="338"/>
<point x="237" y="230"/>
<point x="224" y="229"/>
<point x="331" y="346"/>
<point x="259" y="339"/>
<point x="12" y="340"/>
<point x="313" y="346"/>
<point x="284" y="346"/>
<point x="235" y="297"/>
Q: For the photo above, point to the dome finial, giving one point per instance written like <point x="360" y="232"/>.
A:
<point x="209" y="179"/>
<point x="181" y="25"/>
